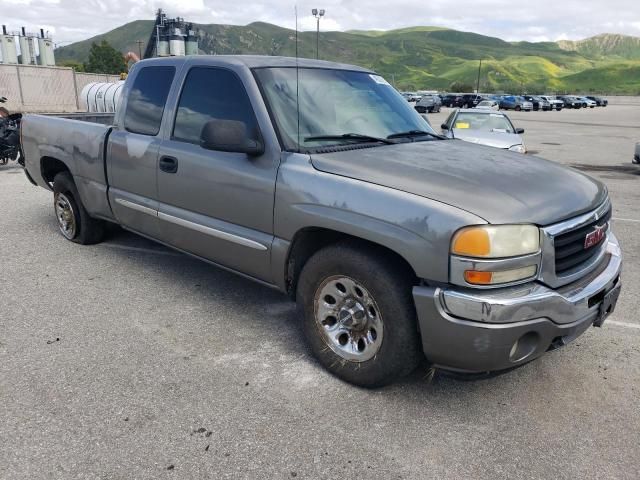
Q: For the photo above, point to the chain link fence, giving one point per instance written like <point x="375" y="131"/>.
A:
<point x="36" y="89"/>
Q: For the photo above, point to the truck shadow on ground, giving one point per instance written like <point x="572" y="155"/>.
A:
<point x="613" y="172"/>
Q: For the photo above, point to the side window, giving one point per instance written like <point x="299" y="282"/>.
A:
<point x="147" y="100"/>
<point x="207" y="94"/>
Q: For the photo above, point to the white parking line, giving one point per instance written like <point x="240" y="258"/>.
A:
<point x="623" y="324"/>
<point x="633" y="220"/>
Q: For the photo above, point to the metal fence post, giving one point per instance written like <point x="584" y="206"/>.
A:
<point x="75" y="89"/>
<point x="20" y="87"/>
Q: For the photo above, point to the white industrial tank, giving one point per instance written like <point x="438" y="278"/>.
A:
<point x="163" y="46"/>
<point x="99" y="97"/>
<point x="8" y="49"/>
<point x="176" y="45"/>
<point x="27" y="51"/>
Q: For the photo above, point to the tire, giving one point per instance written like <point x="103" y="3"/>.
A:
<point x="74" y="222"/>
<point x="348" y="272"/>
<point x="518" y="108"/>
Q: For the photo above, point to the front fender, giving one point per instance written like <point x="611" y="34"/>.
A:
<point x="416" y="228"/>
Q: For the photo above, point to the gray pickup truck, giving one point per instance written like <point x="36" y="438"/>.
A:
<point x="320" y="180"/>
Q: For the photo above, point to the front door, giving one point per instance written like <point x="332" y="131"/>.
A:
<point x="217" y="205"/>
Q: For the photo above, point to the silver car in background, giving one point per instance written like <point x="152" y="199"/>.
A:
<point x="484" y="127"/>
<point x="636" y="156"/>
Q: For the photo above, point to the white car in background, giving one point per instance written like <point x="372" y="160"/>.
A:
<point x="484" y="127"/>
<point x="490" y="104"/>
<point x="555" y="103"/>
<point x="636" y="156"/>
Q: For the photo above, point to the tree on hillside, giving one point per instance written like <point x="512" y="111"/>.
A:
<point x="103" y="58"/>
<point x="461" y="87"/>
<point x="77" y="66"/>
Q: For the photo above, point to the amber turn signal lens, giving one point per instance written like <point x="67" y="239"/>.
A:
<point x="478" y="278"/>
<point x="472" y="242"/>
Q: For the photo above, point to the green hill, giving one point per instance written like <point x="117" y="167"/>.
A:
<point x="423" y="57"/>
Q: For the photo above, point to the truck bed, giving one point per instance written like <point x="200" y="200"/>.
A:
<point x="78" y="141"/>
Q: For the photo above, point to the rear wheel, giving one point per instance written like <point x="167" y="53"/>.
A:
<point x="359" y="315"/>
<point x="518" y="108"/>
<point x="74" y="222"/>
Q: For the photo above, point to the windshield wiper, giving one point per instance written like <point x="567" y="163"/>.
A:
<point x="350" y="136"/>
<point x="416" y="133"/>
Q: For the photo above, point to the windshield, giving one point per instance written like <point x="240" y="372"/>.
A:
<point x="334" y="103"/>
<point x="486" y="122"/>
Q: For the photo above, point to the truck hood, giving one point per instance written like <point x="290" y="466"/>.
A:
<point x="496" y="185"/>
<point x="491" y="139"/>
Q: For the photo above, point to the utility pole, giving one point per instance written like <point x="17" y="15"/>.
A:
<point x="479" y="69"/>
<point x="140" y="43"/>
<point x="318" y="14"/>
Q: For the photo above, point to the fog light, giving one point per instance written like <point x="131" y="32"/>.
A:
<point x="524" y="347"/>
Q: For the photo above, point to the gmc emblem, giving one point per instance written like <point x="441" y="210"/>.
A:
<point x="593" y="238"/>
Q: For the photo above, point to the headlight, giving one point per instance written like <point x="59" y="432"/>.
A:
<point x="518" y="149"/>
<point x="496" y="241"/>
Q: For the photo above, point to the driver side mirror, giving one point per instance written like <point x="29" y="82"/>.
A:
<point x="519" y="130"/>
<point x="230" y="136"/>
<point x="444" y="126"/>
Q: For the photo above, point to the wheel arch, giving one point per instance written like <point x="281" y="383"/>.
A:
<point x="309" y="240"/>
<point x="50" y="167"/>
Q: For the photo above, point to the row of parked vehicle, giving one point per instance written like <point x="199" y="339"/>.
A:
<point x="433" y="102"/>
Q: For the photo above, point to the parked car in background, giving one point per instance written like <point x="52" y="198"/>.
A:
<point x="452" y="100"/>
<point x="600" y="102"/>
<point x="554" y="103"/>
<point x="587" y="102"/>
<point x="470" y="100"/>
<point x="571" y="101"/>
<point x="411" y="96"/>
<point x="539" y="103"/>
<point x="429" y="103"/>
<point x="636" y="156"/>
<point x="484" y="127"/>
<point x="514" y="102"/>
<point x="490" y="104"/>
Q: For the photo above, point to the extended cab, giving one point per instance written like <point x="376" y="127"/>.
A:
<point x="320" y="180"/>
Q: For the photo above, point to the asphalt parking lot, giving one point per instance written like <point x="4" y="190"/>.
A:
<point x="126" y="360"/>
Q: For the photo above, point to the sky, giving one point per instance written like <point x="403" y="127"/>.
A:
<point x="540" y="20"/>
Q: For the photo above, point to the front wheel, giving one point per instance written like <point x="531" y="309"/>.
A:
<point x="74" y="222"/>
<point x="359" y="315"/>
<point x="518" y="108"/>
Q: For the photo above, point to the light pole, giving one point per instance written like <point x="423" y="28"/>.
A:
<point x="318" y="14"/>
<point x="478" y="85"/>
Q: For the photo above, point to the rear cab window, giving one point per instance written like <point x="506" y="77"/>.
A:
<point x="147" y="99"/>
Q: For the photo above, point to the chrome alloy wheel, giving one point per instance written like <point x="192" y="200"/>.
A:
<point x="65" y="215"/>
<point x="348" y="319"/>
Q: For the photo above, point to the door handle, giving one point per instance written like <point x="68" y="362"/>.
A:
<point x="169" y="164"/>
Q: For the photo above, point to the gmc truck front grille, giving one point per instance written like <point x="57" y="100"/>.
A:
<point x="570" y="251"/>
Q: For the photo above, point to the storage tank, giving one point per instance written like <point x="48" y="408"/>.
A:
<point x="8" y="47"/>
<point x="176" y="44"/>
<point x="45" y="46"/>
<point x="163" y="46"/>
<point x="191" y="43"/>
<point x="27" y="50"/>
<point x="101" y="97"/>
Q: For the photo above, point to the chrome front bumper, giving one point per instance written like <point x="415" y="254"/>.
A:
<point x="484" y="330"/>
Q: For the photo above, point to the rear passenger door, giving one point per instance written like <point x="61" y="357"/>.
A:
<point x="132" y="153"/>
<point x="217" y="205"/>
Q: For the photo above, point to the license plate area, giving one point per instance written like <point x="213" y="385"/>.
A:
<point x="607" y="305"/>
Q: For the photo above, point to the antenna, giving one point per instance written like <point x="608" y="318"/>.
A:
<point x="297" y="80"/>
